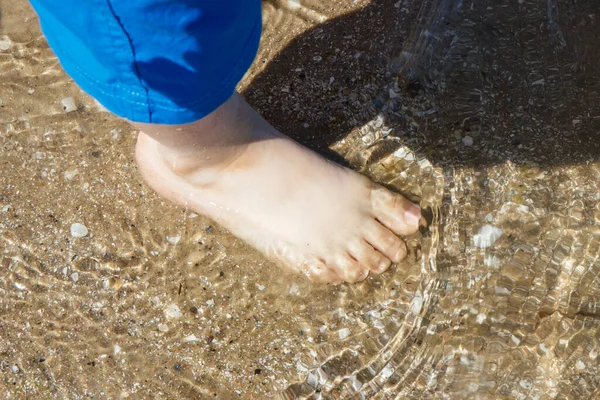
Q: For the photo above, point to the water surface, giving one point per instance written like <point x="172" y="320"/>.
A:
<point x="484" y="112"/>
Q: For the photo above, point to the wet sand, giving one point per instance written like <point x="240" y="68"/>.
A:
<point x="489" y="120"/>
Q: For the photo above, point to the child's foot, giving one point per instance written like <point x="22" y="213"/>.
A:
<point x="299" y="209"/>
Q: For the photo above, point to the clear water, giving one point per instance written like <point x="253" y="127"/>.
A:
<point x="484" y="112"/>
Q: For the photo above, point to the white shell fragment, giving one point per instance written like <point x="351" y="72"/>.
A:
<point x="172" y="311"/>
<point x="5" y="43"/>
<point x="70" y="174"/>
<point x="190" y="338"/>
<point x="78" y="230"/>
<point x="487" y="236"/>
<point x="343" y="333"/>
<point x="294" y="4"/>
<point x="416" y="305"/>
<point x="68" y="104"/>
<point x="173" y="239"/>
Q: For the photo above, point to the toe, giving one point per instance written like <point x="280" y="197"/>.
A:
<point x="348" y="269"/>
<point x="317" y="271"/>
<point x="368" y="257"/>
<point x="396" y="212"/>
<point x="385" y="241"/>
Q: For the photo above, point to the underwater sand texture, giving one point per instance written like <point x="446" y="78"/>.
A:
<point x="487" y="113"/>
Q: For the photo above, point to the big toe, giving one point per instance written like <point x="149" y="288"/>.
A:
<point x="396" y="212"/>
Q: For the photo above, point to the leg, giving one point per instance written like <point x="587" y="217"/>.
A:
<point x="201" y="145"/>
<point x="299" y="209"/>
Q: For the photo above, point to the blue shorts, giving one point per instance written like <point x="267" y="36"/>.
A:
<point x="154" y="61"/>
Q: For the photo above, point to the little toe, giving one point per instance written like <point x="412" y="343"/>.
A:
<point x="317" y="271"/>
<point x="368" y="257"/>
<point x="385" y="241"/>
<point x="396" y="212"/>
<point x="349" y="269"/>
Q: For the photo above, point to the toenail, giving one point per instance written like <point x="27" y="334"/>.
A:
<point x="400" y="254"/>
<point x="412" y="215"/>
<point x="363" y="275"/>
<point x="383" y="266"/>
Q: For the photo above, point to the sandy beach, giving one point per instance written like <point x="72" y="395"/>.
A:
<point x="487" y="114"/>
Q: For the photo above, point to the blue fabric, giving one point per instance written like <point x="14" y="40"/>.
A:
<point x="154" y="61"/>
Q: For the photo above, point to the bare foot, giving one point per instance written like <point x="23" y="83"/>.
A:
<point x="299" y="209"/>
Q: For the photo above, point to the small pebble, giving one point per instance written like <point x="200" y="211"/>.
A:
<point x="487" y="236"/>
<point x="499" y="290"/>
<point x="343" y="333"/>
<point x="5" y="43"/>
<point x="467" y="141"/>
<point x="117" y="349"/>
<point x="294" y="290"/>
<point x="31" y="91"/>
<point x="580" y="365"/>
<point x="75" y="276"/>
<point x="190" y="338"/>
<point x="416" y="305"/>
<point x="163" y="328"/>
<point x="173" y="239"/>
<point x="15" y="369"/>
<point x="115" y="134"/>
<point x="387" y="371"/>
<point x="68" y="104"/>
<point x="78" y="230"/>
<point x="70" y="174"/>
<point x="525" y="384"/>
<point x="172" y="311"/>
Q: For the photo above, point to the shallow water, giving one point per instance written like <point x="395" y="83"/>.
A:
<point x="484" y="112"/>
